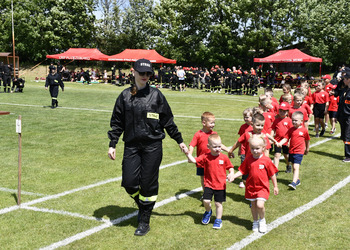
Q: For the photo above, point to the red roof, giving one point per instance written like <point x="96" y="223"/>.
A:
<point x="132" y="55"/>
<point x="288" y="56"/>
<point x="79" y="54"/>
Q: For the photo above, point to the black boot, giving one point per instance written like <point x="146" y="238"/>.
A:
<point x="53" y="103"/>
<point x="56" y="103"/>
<point x="145" y="215"/>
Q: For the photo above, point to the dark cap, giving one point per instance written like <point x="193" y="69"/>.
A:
<point x="143" y="65"/>
<point x="346" y="72"/>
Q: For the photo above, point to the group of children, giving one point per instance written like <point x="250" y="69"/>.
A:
<point x="282" y="124"/>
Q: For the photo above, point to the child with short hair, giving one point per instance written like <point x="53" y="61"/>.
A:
<point x="287" y="90"/>
<point x="320" y="105"/>
<point x="297" y="106"/>
<point x="215" y="164"/>
<point x="257" y="128"/>
<point x="247" y="116"/>
<point x="299" y="142"/>
<point x="259" y="169"/>
<point x="200" y="140"/>
<point x="274" y="102"/>
<point x="265" y="105"/>
<point x="332" y="109"/>
<point x="287" y="98"/>
<point x="280" y="127"/>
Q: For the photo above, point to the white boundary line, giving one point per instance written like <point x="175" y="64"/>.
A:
<point x="285" y="218"/>
<point x="22" y="192"/>
<point x="110" y="111"/>
<point x="93" y="230"/>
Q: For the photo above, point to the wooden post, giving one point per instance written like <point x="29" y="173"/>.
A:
<point x="19" y="131"/>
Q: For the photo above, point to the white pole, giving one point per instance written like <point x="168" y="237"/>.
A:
<point x="19" y="131"/>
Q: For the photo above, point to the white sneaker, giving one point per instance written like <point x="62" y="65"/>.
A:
<point x="255" y="227"/>
<point x="241" y="185"/>
<point x="262" y="226"/>
<point x="326" y="125"/>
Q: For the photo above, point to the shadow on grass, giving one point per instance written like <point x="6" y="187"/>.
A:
<point x="114" y="212"/>
<point x="197" y="218"/>
<point x="330" y="155"/>
<point x="14" y="195"/>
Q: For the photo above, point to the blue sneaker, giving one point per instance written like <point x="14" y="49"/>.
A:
<point x="298" y="182"/>
<point x="217" y="224"/>
<point x="206" y="217"/>
<point x="293" y="185"/>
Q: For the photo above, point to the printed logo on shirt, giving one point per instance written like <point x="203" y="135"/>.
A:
<point x="301" y="133"/>
<point x="221" y="162"/>
<point x="152" y="115"/>
<point x="261" y="166"/>
<point x="285" y="123"/>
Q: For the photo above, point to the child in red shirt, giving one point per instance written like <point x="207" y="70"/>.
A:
<point x="247" y="116"/>
<point x="200" y="140"/>
<point x="333" y="108"/>
<point x="274" y="102"/>
<point x="259" y="168"/>
<point x="299" y="141"/>
<point x="215" y="165"/>
<point x="297" y="106"/>
<point x="287" y="89"/>
<point x="258" y="128"/>
<point x="280" y="127"/>
<point x="320" y="104"/>
<point x="265" y="106"/>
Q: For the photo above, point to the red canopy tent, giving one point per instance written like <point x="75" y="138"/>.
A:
<point x="289" y="56"/>
<point x="132" y="55"/>
<point x="79" y="54"/>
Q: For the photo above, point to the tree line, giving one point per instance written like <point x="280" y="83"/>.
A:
<point x="196" y="32"/>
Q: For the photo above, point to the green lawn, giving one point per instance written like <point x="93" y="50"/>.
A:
<point x="66" y="149"/>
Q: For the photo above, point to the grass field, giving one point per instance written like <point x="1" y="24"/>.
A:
<point x="72" y="196"/>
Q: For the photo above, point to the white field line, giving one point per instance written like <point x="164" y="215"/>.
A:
<point x="61" y="212"/>
<point x="285" y="218"/>
<point x="94" y="230"/>
<point x="22" y="192"/>
<point x="158" y="204"/>
<point x="110" y="111"/>
<point x="55" y="196"/>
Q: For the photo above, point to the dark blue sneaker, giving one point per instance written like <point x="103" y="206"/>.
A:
<point x="206" y="217"/>
<point x="293" y="185"/>
<point x="217" y="224"/>
<point x="297" y="183"/>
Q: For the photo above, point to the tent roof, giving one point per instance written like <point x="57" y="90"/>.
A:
<point x="288" y="56"/>
<point x="132" y="55"/>
<point x="79" y="54"/>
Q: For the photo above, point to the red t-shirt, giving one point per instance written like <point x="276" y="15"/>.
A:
<point x="200" y="140"/>
<point x="244" y="141"/>
<point x="258" y="171"/>
<point x="307" y="108"/>
<point x="308" y="100"/>
<point x="269" y="119"/>
<point x="320" y="97"/>
<point x="245" y="127"/>
<point x="301" y="109"/>
<point x="333" y="103"/>
<point x="297" y="138"/>
<point x="275" y="108"/>
<point x="281" y="126"/>
<point x="214" y="170"/>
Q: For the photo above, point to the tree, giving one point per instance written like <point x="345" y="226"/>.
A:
<point x="324" y="27"/>
<point x="46" y="27"/>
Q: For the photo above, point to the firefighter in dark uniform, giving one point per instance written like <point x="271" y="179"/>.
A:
<point x="17" y="84"/>
<point x="7" y="77"/>
<point x="343" y="114"/>
<point x="113" y="69"/>
<point x="141" y="113"/>
<point x="59" y="68"/>
<point x="271" y="73"/>
<point x="1" y="72"/>
<point x="53" y="82"/>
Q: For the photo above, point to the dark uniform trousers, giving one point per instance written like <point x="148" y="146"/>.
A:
<point x="344" y="122"/>
<point x="141" y="163"/>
